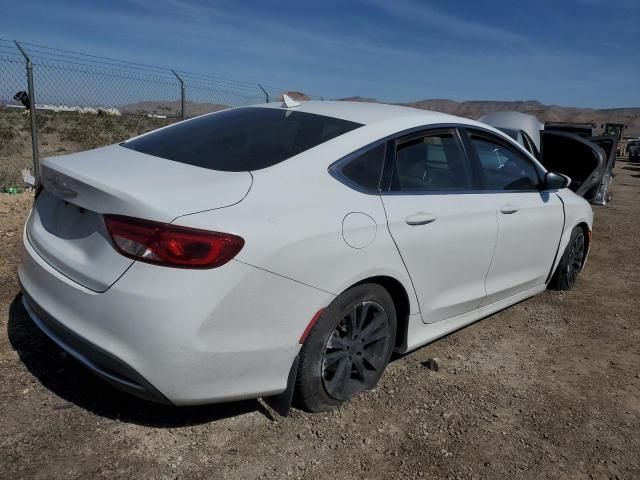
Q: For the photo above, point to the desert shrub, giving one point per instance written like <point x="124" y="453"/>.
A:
<point x="7" y="134"/>
<point x="9" y="177"/>
<point x="63" y="132"/>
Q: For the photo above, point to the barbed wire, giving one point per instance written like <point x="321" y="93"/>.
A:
<point x="85" y="101"/>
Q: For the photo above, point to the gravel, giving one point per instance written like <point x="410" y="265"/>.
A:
<point x="549" y="388"/>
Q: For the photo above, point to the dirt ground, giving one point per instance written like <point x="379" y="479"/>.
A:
<point x="549" y="388"/>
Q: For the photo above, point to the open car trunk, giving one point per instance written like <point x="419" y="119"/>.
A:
<point x="580" y="159"/>
<point x="67" y="228"/>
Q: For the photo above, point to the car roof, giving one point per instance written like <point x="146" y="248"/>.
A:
<point x="382" y="119"/>
<point x="374" y="113"/>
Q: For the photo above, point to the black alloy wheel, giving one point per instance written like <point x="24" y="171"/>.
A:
<point x="356" y="351"/>
<point x="574" y="265"/>
<point x="347" y="349"/>
<point x="566" y="274"/>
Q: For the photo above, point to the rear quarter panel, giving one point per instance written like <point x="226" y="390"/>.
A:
<point x="292" y="223"/>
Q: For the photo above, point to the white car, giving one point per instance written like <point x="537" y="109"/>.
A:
<point x="289" y="249"/>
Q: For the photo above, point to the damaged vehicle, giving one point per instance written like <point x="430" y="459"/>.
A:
<point x="615" y="130"/>
<point x="285" y="251"/>
<point x="588" y="162"/>
<point x="568" y="148"/>
<point x="584" y="130"/>
<point x="633" y="148"/>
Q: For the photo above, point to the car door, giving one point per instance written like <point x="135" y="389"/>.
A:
<point x="530" y="221"/>
<point x="444" y="229"/>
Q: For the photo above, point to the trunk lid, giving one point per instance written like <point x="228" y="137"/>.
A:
<point x="66" y="226"/>
<point x="122" y="181"/>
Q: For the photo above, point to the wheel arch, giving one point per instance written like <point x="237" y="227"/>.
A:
<point x="587" y="234"/>
<point x="575" y="216"/>
<point x="587" y="240"/>
<point x="553" y="281"/>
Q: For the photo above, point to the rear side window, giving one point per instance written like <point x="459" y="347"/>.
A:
<point x="364" y="170"/>
<point x="241" y="139"/>
<point x="430" y="163"/>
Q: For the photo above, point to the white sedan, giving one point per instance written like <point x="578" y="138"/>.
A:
<point x="288" y="250"/>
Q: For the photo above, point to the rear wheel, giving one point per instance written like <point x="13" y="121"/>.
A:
<point x="348" y="348"/>
<point x="566" y="273"/>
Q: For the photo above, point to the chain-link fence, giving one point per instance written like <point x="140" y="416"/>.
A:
<point x="84" y="101"/>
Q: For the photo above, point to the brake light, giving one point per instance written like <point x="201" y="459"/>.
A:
<point x="171" y="245"/>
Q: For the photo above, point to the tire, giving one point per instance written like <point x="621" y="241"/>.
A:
<point x="566" y="273"/>
<point x="347" y="350"/>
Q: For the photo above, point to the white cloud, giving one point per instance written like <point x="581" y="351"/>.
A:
<point x="456" y="26"/>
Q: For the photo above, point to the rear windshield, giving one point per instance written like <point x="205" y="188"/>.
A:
<point x="241" y="139"/>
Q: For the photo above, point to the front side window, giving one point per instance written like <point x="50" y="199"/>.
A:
<point x="430" y="163"/>
<point x="502" y="167"/>
<point x="241" y="139"/>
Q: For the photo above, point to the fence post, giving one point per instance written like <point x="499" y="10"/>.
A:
<point x="32" y="110"/>
<point x="266" y="94"/>
<point x="182" y="113"/>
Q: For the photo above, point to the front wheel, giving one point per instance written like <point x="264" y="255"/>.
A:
<point x="348" y="348"/>
<point x="566" y="273"/>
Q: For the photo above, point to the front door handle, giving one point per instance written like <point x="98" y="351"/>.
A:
<point x="508" y="209"/>
<point x="420" y="218"/>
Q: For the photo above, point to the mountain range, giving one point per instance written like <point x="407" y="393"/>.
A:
<point x="474" y="109"/>
<point x="471" y="109"/>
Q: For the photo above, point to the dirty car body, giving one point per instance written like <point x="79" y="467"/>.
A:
<point x="188" y="265"/>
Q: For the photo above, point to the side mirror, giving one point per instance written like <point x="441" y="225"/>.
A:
<point x="555" y="181"/>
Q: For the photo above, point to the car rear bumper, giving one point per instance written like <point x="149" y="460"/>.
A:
<point x="102" y="363"/>
<point x="173" y="335"/>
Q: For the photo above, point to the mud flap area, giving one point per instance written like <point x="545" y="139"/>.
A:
<point x="281" y="404"/>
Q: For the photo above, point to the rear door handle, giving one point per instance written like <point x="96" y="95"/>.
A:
<point x="420" y="218"/>
<point x="508" y="209"/>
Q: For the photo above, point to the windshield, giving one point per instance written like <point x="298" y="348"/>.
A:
<point x="241" y="139"/>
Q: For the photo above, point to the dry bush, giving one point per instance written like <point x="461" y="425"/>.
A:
<point x="60" y="133"/>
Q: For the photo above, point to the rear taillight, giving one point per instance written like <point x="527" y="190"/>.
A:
<point x="171" y="245"/>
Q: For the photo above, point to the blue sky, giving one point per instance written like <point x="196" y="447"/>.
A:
<point x="568" y="52"/>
